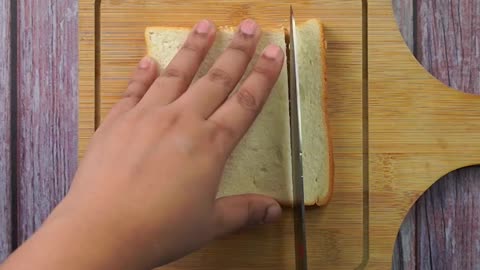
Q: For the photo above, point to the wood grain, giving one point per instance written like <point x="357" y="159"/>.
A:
<point x="47" y="115"/>
<point x="412" y="145"/>
<point x="448" y="43"/>
<point x="408" y="107"/>
<point x="439" y="24"/>
<point x="5" y="134"/>
<point x="86" y="74"/>
<point x="449" y="54"/>
<point x="337" y="231"/>
<point x="404" y="252"/>
<point x="404" y="13"/>
<point x="461" y="62"/>
<point x="449" y="223"/>
<point x="448" y="37"/>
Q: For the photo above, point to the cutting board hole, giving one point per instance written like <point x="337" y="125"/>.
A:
<point x="444" y="36"/>
<point x="441" y="231"/>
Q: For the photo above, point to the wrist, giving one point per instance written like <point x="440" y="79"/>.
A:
<point x="73" y="240"/>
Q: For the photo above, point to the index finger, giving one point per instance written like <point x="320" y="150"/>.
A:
<point x="179" y="73"/>
<point x="236" y="115"/>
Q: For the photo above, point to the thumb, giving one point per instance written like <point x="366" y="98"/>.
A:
<point x="236" y="212"/>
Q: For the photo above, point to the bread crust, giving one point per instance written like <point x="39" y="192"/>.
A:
<point x="321" y="200"/>
<point x="323" y="46"/>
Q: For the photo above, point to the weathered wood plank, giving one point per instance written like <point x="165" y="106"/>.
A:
<point x="404" y="254"/>
<point x="47" y="107"/>
<point x="449" y="222"/>
<point x="448" y="45"/>
<point x="43" y="168"/>
<point x="404" y="12"/>
<point x="5" y="121"/>
<point x="405" y="249"/>
<point x="448" y="37"/>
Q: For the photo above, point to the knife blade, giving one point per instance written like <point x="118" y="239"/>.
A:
<point x="296" y="147"/>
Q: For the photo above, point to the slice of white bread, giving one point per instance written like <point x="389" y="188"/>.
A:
<point x="317" y="146"/>
<point x="261" y="163"/>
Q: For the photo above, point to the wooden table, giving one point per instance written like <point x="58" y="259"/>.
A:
<point x="38" y="123"/>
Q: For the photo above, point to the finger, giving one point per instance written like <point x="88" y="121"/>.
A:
<point x="236" y="212"/>
<point x="181" y="70"/>
<point x="211" y="90"/>
<point x="232" y="120"/>
<point x="142" y="78"/>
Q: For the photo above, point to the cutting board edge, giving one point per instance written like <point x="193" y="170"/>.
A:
<point x="87" y="90"/>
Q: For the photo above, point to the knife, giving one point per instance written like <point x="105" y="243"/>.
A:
<point x="296" y="146"/>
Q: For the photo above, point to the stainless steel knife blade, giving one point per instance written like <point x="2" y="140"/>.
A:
<point x="296" y="147"/>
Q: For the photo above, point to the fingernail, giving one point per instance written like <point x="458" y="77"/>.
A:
<point x="272" y="52"/>
<point x="145" y="62"/>
<point x="203" y="27"/>
<point x="248" y="27"/>
<point x="273" y="214"/>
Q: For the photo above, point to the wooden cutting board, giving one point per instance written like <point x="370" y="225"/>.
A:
<point x="396" y="129"/>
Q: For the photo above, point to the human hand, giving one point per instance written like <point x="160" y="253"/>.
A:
<point x="145" y="193"/>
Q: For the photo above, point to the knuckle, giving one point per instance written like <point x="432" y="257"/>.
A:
<point x="267" y="67"/>
<point x="174" y="73"/>
<point x="242" y="47"/>
<point x="131" y="97"/>
<point x="135" y="90"/>
<point x="264" y="70"/>
<point x="192" y="45"/>
<point x="219" y="76"/>
<point x="222" y="132"/>
<point x="135" y="84"/>
<point x="167" y="120"/>
<point x="247" y="100"/>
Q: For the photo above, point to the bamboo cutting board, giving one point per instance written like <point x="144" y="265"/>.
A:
<point x="395" y="128"/>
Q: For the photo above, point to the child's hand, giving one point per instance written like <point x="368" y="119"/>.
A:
<point x="144" y="194"/>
